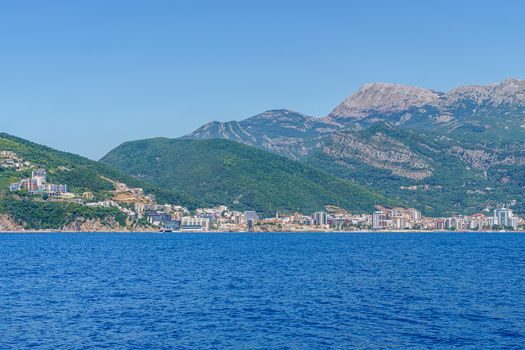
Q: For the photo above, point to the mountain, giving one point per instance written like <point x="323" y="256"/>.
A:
<point x="242" y="177"/>
<point x="438" y="174"/>
<point x="462" y="150"/>
<point x="374" y="99"/>
<point x="78" y="173"/>
<point x="493" y="112"/>
<point x="280" y="131"/>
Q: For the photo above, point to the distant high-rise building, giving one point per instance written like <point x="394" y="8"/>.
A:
<point x="440" y="224"/>
<point x="398" y="222"/>
<point x="504" y="218"/>
<point x="414" y="214"/>
<point x="380" y="220"/>
<point x="320" y="218"/>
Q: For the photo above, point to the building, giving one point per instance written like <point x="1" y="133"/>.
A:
<point x="103" y="204"/>
<point x="137" y="192"/>
<point x="9" y="163"/>
<point x="8" y="154"/>
<point x="250" y="217"/>
<point x="194" y="224"/>
<point x="37" y="185"/>
<point x="141" y="208"/>
<point x="15" y="187"/>
<point x="461" y="223"/>
<point x="301" y="219"/>
<point x="504" y="218"/>
<point x="157" y="218"/>
<point x="38" y="181"/>
<point x="440" y="224"/>
<point x="39" y="173"/>
<point x="414" y="214"/>
<point x="121" y="187"/>
<point x="56" y="190"/>
<point x="88" y="196"/>
<point x="380" y="220"/>
<point x="399" y="222"/>
<point x="173" y="225"/>
<point x="320" y="218"/>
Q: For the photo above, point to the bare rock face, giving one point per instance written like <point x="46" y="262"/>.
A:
<point x="476" y="93"/>
<point x="477" y="111"/>
<point x="7" y="224"/>
<point x="91" y="225"/>
<point x="462" y="106"/>
<point x="477" y="158"/>
<point x="280" y="131"/>
<point x="380" y="151"/>
<point x="276" y="130"/>
<point x="383" y="97"/>
<point x="225" y="130"/>
<point x="509" y="91"/>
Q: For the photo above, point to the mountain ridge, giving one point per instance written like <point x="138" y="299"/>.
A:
<point x="472" y="111"/>
<point x="275" y="130"/>
<point x="485" y="126"/>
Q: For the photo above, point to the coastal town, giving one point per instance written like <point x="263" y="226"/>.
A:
<point x="138" y="206"/>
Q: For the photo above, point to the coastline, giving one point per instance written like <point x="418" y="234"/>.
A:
<point x="252" y="232"/>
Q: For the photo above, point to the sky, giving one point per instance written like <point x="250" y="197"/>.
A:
<point x="84" y="76"/>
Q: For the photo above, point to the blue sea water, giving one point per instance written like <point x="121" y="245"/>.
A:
<point x="262" y="291"/>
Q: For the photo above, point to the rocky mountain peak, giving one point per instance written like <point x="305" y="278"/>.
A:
<point x="280" y="114"/>
<point x="510" y="90"/>
<point x="512" y="82"/>
<point x="383" y="97"/>
<point x="476" y="93"/>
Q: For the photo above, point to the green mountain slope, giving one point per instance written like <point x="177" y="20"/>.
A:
<point x="79" y="173"/>
<point x="439" y="174"/>
<point x="243" y="177"/>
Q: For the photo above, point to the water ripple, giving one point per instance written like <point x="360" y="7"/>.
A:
<point x="259" y="291"/>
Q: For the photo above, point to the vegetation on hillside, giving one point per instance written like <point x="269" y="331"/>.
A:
<point x="38" y="215"/>
<point x="242" y="177"/>
<point x="455" y="186"/>
<point x="79" y="173"/>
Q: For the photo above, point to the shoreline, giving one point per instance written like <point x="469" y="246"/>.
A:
<point x="257" y="232"/>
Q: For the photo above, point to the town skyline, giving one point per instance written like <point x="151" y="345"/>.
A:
<point x="141" y="210"/>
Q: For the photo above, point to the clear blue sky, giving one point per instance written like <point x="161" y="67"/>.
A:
<point x="84" y="76"/>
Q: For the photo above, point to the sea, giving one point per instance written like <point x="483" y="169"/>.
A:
<point x="262" y="291"/>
